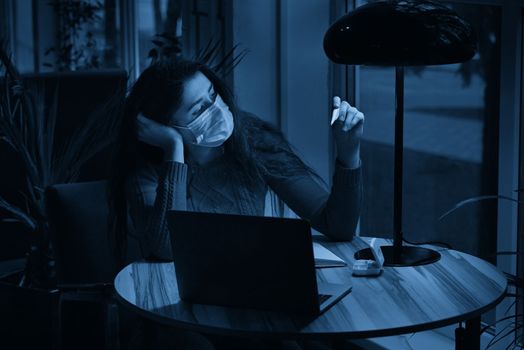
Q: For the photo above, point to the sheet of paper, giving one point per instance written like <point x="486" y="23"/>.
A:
<point x="325" y="258"/>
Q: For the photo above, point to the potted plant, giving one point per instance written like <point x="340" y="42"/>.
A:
<point x="514" y="322"/>
<point x="28" y="296"/>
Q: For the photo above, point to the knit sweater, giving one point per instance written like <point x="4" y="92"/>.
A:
<point x="218" y="187"/>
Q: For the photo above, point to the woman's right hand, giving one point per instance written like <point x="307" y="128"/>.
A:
<point x="163" y="136"/>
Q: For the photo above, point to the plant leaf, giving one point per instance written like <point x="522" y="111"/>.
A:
<point x="6" y="140"/>
<point x="18" y="214"/>
<point x="99" y="132"/>
<point x="153" y="54"/>
<point x="485" y="328"/>
<point x="11" y="220"/>
<point x="158" y="43"/>
<point x="512" y="330"/>
<point x="475" y="200"/>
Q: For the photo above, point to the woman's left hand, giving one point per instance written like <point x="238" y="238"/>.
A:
<point x="347" y="130"/>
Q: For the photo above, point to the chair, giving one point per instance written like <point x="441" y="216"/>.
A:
<point x="88" y="314"/>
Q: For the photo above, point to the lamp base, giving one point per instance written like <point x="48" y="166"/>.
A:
<point x="411" y="256"/>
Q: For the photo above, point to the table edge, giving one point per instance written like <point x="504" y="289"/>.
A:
<point x="308" y="335"/>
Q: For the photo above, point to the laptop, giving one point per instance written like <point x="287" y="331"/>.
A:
<point x="253" y="262"/>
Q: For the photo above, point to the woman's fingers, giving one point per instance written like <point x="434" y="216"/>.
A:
<point x="353" y="117"/>
<point x="336" y="102"/>
<point x="361" y="117"/>
<point x="342" y="113"/>
<point x="348" y="115"/>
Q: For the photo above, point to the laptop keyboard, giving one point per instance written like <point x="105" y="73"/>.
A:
<point x="323" y="297"/>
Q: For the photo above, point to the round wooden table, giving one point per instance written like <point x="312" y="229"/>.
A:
<point x="459" y="287"/>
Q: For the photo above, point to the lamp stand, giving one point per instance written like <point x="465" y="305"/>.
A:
<point x="397" y="254"/>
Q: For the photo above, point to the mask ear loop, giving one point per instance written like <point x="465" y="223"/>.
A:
<point x="198" y="138"/>
<point x="184" y="127"/>
<point x="176" y="126"/>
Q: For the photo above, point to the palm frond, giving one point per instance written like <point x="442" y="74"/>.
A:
<point x="50" y="137"/>
<point x="8" y="141"/>
<point x="18" y="214"/>
<point x="510" y="306"/>
<point x="516" y="342"/>
<point x="98" y="133"/>
<point x="475" y="200"/>
<point x="30" y="129"/>
<point x="9" y="130"/>
<point x="167" y="47"/>
<point x="6" y="61"/>
<point x="38" y="144"/>
<point x="514" y="280"/>
<point x="485" y="328"/>
<point x="16" y="109"/>
<point x="498" y="337"/>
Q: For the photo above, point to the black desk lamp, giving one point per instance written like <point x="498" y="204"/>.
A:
<point x="400" y="33"/>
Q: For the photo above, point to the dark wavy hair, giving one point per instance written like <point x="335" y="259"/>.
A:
<point x="257" y="147"/>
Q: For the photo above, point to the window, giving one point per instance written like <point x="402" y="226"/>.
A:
<point x="195" y="22"/>
<point x="450" y="145"/>
<point x="73" y="35"/>
<point x="454" y="115"/>
<point x="155" y="17"/>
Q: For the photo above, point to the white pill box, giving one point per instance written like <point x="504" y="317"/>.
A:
<point x="370" y="267"/>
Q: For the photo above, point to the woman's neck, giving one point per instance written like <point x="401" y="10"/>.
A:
<point x="203" y="155"/>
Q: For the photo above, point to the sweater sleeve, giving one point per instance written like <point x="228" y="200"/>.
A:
<point x="334" y="213"/>
<point x="150" y="194"/>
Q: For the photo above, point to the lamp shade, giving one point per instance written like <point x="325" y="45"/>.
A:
<point x="400" y="33"/>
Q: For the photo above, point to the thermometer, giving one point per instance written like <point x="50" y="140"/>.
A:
<point x="334" y="116"/>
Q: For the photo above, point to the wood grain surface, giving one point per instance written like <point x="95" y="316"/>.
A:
<point x="401" y="300"/>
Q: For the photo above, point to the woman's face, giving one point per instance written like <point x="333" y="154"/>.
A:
<point x="198" y="94"/>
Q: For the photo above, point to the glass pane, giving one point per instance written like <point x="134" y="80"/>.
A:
<point x="22" y="40"/>
<point x="195" y="22"/>
<point x="155" y="17"/>
<point x="450" y="145"/>
<point x="109" y="35"/>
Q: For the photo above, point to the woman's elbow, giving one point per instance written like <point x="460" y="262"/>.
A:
<point x="341" y="232"/>
<point x="340" y="236"/>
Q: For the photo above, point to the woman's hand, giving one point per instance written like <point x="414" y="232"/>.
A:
<point x="348" y="129"/>
<point x="162" y="136"/>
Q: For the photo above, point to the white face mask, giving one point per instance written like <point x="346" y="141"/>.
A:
<point x="214" y="126"/>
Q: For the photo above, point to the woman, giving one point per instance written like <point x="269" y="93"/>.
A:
<point x="185" y="146"/>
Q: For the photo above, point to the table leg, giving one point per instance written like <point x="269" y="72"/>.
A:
<point x="470" y="336"/>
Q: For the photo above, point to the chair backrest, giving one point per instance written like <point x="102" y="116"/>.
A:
<point x="78" y="215"/>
